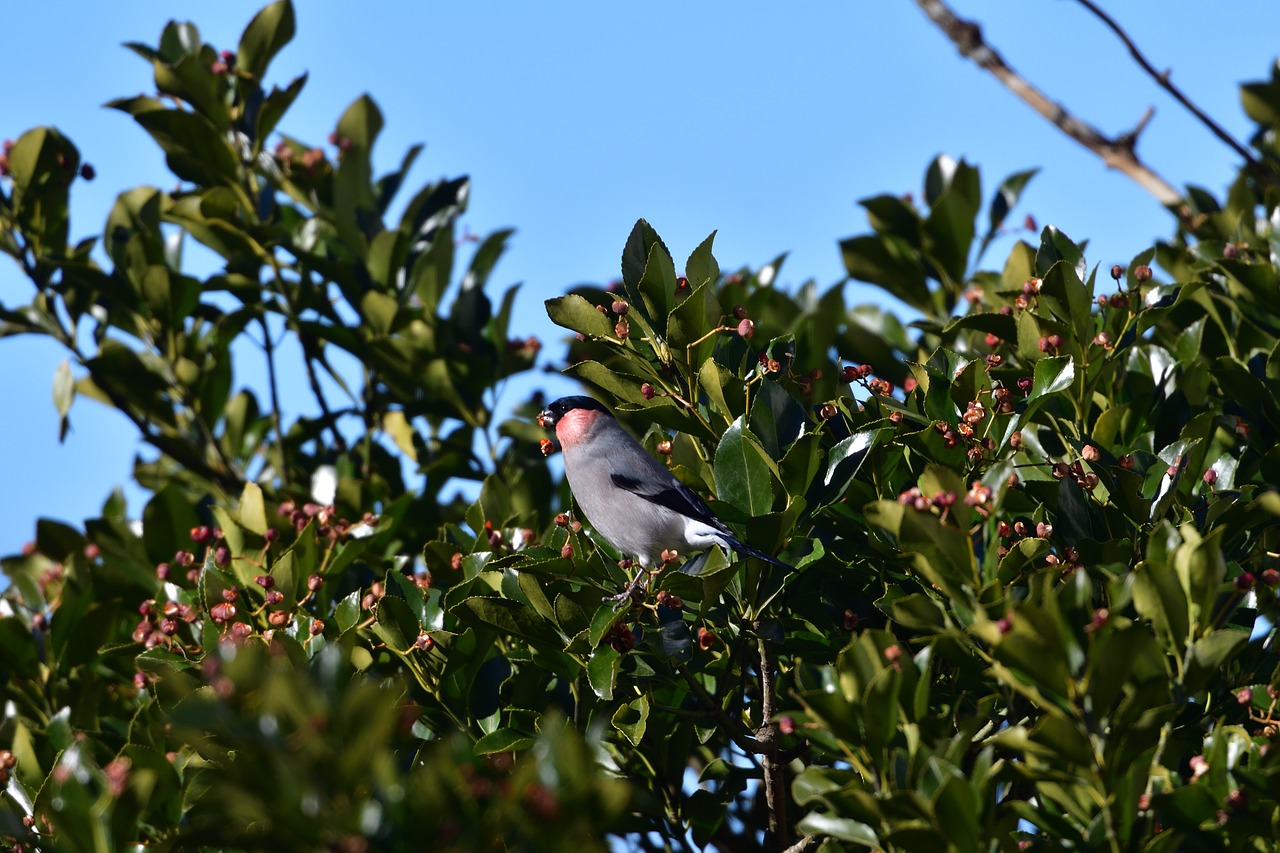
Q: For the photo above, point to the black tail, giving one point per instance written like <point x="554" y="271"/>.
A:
<point x="743" y="548"/>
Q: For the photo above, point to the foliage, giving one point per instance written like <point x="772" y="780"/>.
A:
<point x="1033" y="529"/>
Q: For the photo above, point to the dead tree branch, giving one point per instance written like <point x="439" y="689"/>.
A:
<point x="1163" y="81"/>
<point x="1117" y="153"/>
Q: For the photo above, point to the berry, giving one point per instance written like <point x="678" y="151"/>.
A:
<point x="746" y="328"/>
<point x="1142" y="273"/>
<point x="1117" y="272"/>
<point x="223" y="612"/>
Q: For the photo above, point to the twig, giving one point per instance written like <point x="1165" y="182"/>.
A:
<point x="1163" y="81"/>
<point x="744" y="741"/>
<point x="1117" y="153"/>
<point x="270" y="349"/>
<point x="804" y="844"/>
<point x="775" y="787"/>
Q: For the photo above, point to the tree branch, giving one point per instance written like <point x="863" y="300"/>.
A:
<point x="1116" y="153"/>
<point x="744" y="742"/>
<point x="775" y="783"/>
<point x="1163" y="81"/>
<point x="804" y="844"/>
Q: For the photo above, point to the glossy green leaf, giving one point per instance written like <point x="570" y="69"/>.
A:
<point x="742" y="470"/>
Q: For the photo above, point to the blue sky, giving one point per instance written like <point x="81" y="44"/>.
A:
<point x="765" y="122"/>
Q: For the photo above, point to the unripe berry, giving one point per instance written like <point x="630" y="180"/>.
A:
<point x="1142" y="273"/>
<point x="317" y="627"/>
<point x="746" y="328"/>
<point x="1117" y="272"/>
<point x="647" y="391"/>
<point x="620" y="307"/>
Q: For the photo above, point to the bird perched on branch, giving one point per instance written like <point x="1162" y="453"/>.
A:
<point x="627" y="495"/>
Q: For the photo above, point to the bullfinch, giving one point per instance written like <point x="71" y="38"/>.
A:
<point x="627" y="495"/>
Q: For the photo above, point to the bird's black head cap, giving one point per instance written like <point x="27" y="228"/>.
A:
<point x="558" y="408"/>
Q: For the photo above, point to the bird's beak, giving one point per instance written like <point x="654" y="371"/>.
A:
<point x="546" y="419"/>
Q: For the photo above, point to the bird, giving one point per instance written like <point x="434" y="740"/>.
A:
<point x="628" y="496"/>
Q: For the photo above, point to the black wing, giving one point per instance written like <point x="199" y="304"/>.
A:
<point x="676" y="497"/>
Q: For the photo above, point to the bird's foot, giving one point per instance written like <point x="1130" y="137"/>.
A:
<point x="632" y="593"/>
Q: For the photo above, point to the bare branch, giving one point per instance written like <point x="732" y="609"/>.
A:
<point x="775" y="783"/>
<point x="1116" y="153"/>
<point x="804" y="844"/>
<point x="1163" y="81"/>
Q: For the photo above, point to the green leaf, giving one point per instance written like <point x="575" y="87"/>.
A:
<point x="578" y="315"/>
<point x="701" y="268"/>
<point x="950" y="226"/>
<point x="401" y="431"/>
<point x="1211" y="653"/>
<point x="64" y="391"/>
<point x="632" y="719"/>
<point x="379" y="311"/>
<point x="742" y="471"/>
<point x="194" y="149"/>
<point x="1007" y="195"/>
<point x="275" y="105"/>
<point x="891" y="263"/>
<point x="1051" y="376"/>
<point x="395" y="624"/>
<point x="253" y="510"/>
<point x="943" y="555"/>
<point x="602" y="671"/>
<point x="168" y="519"/>
<point x="269" y="31"/>
<point x="502" y="740"/>
<point x="846" y="829"/>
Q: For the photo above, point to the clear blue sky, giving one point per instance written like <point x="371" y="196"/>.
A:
<point x="764" y="121"/>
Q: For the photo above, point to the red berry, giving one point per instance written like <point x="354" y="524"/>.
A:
<point x="223" y="612"/>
